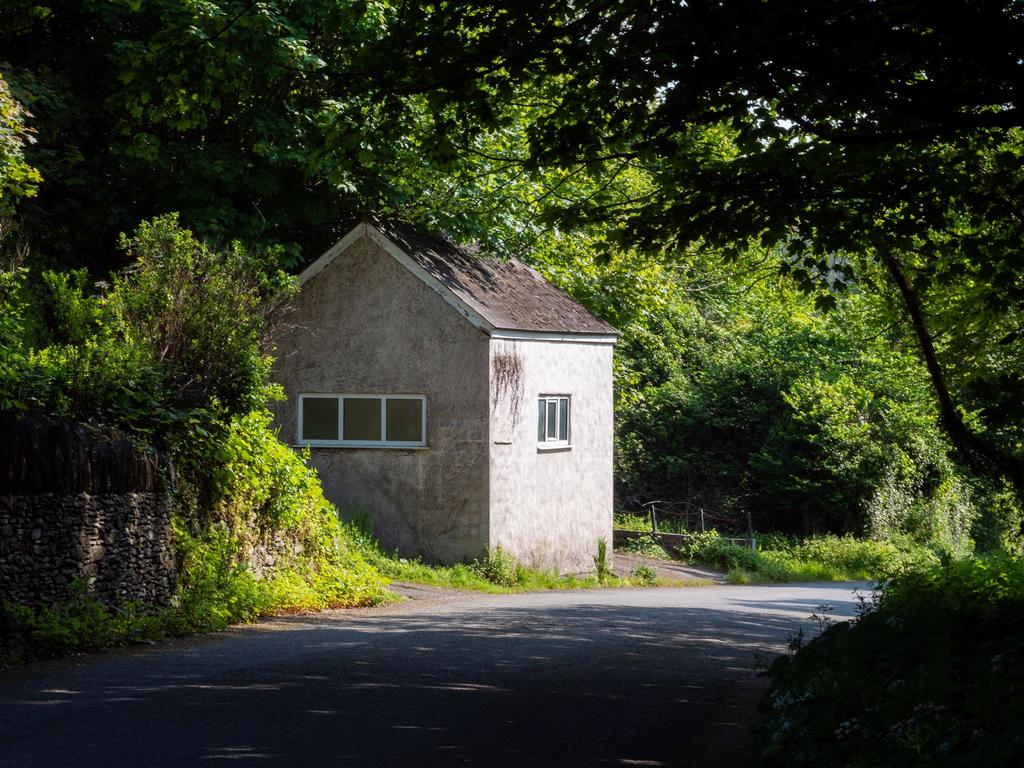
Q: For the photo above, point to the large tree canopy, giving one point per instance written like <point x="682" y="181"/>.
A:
<point x="777" y="119"/>
<point x="273" y="122"/>
<point x="246" y="117"/>
<point x="868" y="142"/>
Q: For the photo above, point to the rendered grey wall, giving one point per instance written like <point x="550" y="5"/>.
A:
<point x="366" y="325"/>
<point x="550" y="507"/>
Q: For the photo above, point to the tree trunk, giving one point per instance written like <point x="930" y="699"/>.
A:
<point x="975" y="448"/>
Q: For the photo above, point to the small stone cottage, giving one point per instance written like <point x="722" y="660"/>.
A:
<point x="460" y="402"/>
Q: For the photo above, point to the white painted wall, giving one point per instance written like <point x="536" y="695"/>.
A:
<point x="549" y="508"/>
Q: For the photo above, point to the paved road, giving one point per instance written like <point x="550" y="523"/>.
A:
<point x="591" y="678"/>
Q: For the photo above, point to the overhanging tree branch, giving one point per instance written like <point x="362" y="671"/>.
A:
<point x="973" y="446"/>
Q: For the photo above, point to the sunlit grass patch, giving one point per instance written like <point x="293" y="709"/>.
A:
<point x="780" y="558"/>
<point x="497" y="573"/>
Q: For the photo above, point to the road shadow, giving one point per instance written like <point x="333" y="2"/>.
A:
<point x="581" y="685"/>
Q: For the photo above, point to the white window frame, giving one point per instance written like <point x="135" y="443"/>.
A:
<point x="384" y="442"/>
<point x="556" y="441"/>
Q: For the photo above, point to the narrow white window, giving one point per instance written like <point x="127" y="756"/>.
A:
<point x="553" y="420"/>
<point x="363" y="421"/>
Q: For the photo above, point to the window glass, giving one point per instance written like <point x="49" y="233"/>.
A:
<point x="405" y="420"/>
<point x="362" y="418"/>
<point x="319" y="418"/>
<point x="553" y="419"/>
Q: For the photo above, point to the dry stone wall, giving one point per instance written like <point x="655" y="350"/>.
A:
<point x="81" y="506"/>
<point x="117" y="544"/>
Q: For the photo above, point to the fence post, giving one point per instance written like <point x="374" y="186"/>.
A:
<point x="702" y="519"/>
<point x="750" y="531"/>
<point x="654" y="520"/>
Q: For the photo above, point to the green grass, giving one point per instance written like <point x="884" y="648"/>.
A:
<point x="781" y="558"/>
<point x="646" y="546"/>
<point x="631" y="521"/>
<point x="635" y="521"/>
<point x="463" y="576"/>
<point x="829" y="558"/>
<point x="793" y="571"/>
<point x="540" y="581"/>
<point x="497" y="573"/>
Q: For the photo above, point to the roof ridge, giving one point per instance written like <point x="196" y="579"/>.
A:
<point x="495" y="292"/>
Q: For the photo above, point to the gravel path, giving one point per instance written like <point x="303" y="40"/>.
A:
<point x="589" y="678"/>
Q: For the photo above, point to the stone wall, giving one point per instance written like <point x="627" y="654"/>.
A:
<point x="81" y="505"/>
<point x="117" y="544"/>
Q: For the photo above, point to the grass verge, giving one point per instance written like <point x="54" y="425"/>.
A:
<point x="780" y="558"/>
<point x="498" y="573"/>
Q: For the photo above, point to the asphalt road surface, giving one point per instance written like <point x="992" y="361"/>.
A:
<point x="592" y="678"/>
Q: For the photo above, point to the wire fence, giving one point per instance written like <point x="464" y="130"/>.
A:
<point x="683" y="517"/>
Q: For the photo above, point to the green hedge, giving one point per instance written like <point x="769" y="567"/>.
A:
<point x="931" y="675"/>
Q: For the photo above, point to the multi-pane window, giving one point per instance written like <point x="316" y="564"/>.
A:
<point x="398" y="421"/>
<point x="553" y="420"/>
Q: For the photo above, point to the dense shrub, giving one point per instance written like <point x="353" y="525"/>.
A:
<point x="1002" y="527"/>
<point x="266" y="498"/>
<point x="931" y="675"/>
<point x="170" y="354"/>
<point x="198" y="314"/>
<point x="813" y="423"/>
<point x="713" y="550"/>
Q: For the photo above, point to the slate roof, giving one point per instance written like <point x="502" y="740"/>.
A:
<point x="508" y="294"/>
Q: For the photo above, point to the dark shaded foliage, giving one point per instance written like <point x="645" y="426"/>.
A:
<point x="934" y="675"/>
